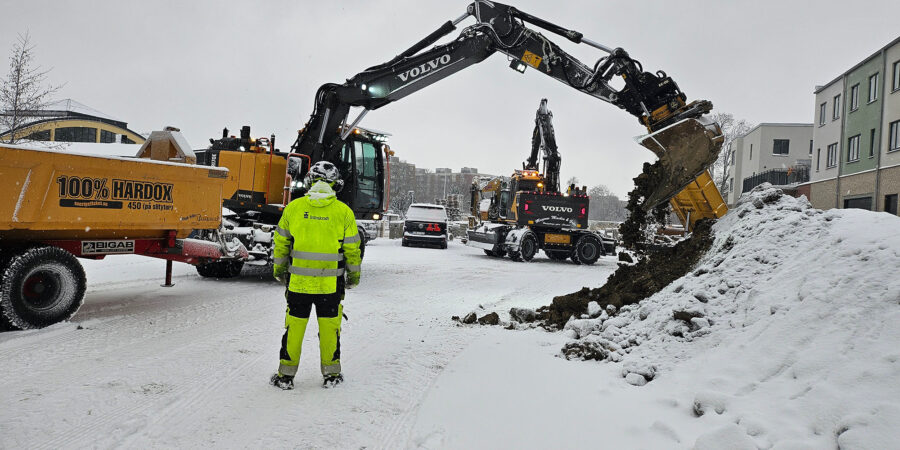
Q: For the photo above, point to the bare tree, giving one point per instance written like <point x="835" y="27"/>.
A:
<point x="731" y="129"/>
<point x="400" y="203"/>
<point x="605" y="205"/>
<point x="23" y="91"/>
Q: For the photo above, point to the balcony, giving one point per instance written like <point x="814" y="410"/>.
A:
<point x="778" y="177"/>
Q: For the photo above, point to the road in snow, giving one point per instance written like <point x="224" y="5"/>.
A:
<point x="797" y="349"/>
<point x="141" y="365"/>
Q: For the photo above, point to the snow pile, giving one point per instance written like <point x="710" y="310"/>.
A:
<point x="788" y="329"/>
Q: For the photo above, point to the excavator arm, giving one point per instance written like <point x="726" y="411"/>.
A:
<point x="543" y="140"/>
<point x="653" y="98"/>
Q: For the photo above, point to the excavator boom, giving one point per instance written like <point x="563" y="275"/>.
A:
<point x="685" y="146"/>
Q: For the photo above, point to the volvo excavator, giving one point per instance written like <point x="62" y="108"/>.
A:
<point x="527" y="212"/>
<point x="686" y="141"/>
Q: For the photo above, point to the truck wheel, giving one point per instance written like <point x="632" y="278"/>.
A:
<point x="41" y="286"/>
<point x="220" y="269"/>
<point x="362" y="248"/>
<point x="557" y="255"/>
<point x="587" y="250"/>
<point x="527" y="248"/>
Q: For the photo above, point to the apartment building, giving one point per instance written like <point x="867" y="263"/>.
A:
<point x="856" y="148"/>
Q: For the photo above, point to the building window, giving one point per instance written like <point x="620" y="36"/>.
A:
<point x="858" y="203"/>
<point x="818" y="158"/>
<point x="125" y="140"/>
<point x="872" y="143"/>
<point x="836" y="109"/>
<point x="781" y="147"/>
<point x="43" y="135"/>
<point x="873" y="88"/>
<point x="751" y="152"/>
<point x="854" y="97"/>
<point x="895" y="85"/>
<point x="76" y="134"/>
<point x="107" y="137"/>
<point x="730" y="184"/>
<point x="810" y="147"/>
<point x="832" y="156"/>
<point x="853" y="149"/>
<point x="894" y="139"/>
<point x="890" y="204"/>
<point x="822" y="114"/>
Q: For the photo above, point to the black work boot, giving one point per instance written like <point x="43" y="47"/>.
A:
<point x="282" y="381"/>
<point x="332" y="380"/>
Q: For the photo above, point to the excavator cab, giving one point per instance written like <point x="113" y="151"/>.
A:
<point x="363" y="169"/>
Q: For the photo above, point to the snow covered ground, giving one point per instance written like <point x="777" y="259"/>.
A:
<point x="141" y="365"/>
<point x="800" y="349"/>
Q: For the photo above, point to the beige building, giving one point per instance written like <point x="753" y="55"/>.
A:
<point x="70" y="121"/>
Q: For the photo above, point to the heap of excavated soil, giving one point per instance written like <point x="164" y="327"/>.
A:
<point x="633" y="283"/>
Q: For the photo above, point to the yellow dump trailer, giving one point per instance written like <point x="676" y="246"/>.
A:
<point x="56" y="206"/>
<point x="73" y="196"/>
<point x="699" y="200"/>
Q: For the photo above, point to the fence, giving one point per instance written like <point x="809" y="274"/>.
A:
<point x="778" y="177"/>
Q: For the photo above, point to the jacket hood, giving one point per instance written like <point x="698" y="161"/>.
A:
<point x="321" y="194"/>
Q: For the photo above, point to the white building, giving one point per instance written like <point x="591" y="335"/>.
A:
<point x="773" y="152"/>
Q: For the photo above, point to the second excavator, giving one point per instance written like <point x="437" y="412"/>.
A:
<point x="527" y="212"/>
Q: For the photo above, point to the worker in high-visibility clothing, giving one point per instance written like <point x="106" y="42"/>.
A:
<point x="317" y="249"/>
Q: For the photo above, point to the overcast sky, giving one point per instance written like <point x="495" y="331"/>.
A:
<point x="204" y="65"/>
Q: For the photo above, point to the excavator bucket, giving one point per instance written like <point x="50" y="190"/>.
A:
<point x="685" y="149"/>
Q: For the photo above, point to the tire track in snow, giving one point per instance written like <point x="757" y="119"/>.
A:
<point x="144" y="329"/>
<point x="183" y="393"/>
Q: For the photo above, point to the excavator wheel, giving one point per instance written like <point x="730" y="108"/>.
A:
<point x="587" y="250"/>
<point x="220" y="269"/>
<point x="527" y="248"/>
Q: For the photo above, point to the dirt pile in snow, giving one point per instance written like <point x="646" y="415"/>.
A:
<point x="632" y="283"/>
<point x="785" y="334"/>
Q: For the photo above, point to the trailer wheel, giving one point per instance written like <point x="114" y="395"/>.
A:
<point x="587" y="250"/>
<point x="220" y="269"/>
<point x="528" y="247"/>
<point x="41" y="286"/>
<point x="558" y="255"/>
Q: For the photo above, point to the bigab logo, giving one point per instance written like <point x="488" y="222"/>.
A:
<point x="107" y="247"/>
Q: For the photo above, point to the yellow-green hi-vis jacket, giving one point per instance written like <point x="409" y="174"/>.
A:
<point x="316" y="241"/>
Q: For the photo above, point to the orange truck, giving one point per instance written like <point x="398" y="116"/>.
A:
<point x="59" y="206"/>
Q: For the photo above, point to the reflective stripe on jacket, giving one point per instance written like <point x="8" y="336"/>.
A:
<point x="317" y="240"/>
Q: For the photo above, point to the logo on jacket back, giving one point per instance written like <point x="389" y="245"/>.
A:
<point x="424" y="68"/>
<point x="557" y="208"/>
<point x="307" y="216"/>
